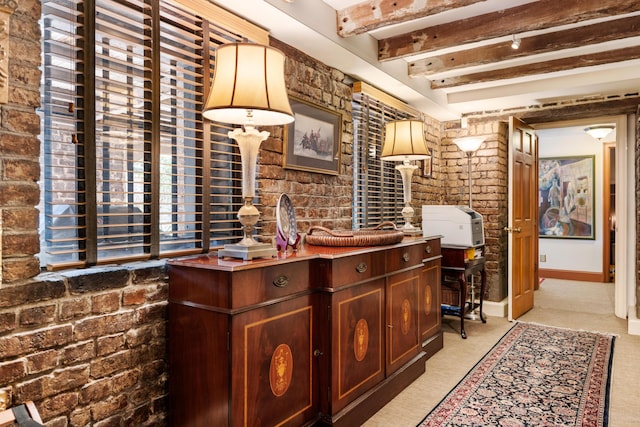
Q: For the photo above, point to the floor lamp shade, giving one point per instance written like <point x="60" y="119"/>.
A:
<point x="248" y="89"/>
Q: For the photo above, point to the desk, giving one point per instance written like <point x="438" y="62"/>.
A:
<point x="457" y="268"/>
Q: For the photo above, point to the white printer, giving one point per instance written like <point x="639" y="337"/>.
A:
<point x="458" y="225"/>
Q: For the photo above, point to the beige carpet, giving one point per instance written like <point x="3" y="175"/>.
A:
<point x="576" y="305"/>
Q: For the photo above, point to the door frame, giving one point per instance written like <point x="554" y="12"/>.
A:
<point x="625" y="225"/>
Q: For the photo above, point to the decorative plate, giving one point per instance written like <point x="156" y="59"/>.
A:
<point x="286" y="219"/>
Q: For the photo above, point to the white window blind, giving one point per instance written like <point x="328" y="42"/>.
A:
<point x="377" y="185"/>
<point x="131" y="170"/>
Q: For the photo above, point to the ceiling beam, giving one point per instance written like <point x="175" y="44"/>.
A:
<point x="539" y="15"/>
<point x="568" y="63"/>
<point x="543" y="43"/>
<point x="363" y="17"/>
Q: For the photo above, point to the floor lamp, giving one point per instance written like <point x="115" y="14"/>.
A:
<point x="469" y="145"/>
<point x="404" y="141"/>
<point x="248" y="90"/>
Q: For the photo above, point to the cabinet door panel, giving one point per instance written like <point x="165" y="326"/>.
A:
<point x="358" y="349"/>
<point x="273" y="365"/>
<point x="430" y="317"/>
<point x="402" y="328"/>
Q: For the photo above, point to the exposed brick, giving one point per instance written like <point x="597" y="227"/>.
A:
<point x="58" y="404"/>
<point x="111" y="344"/>
<point x="151" y="272"/>
<point x="149" y="313"/>
<point x="110" y="364"/>
<point x="134" y="296"/>
<point x="8" y="321"/>
<point x="96" y="390"/>
<point x="28" y="342"/>
<point x="77" y="353"/>
<point x="42" y="361"/>
<point x="20" y="170"/>
<point x="105" y="408"/>
<point x="97" y="280"/>
<point x="38" y="315"/>
<point x="30" y="292"/>
<point x="80" y="417"/>
<point x="19" y="219"/>
<point x="17" y="269"/>
<point x="19" y="145"/>
<point x="68" y="378"/>
<point x="105" y="303"/>
<point x="115" y="421"/>
<point x="21" y="121"/>
<point x="74" y="308"/>
<point x="139" y="336"/>
<point x="103" y="325"/>
<point x="13" y="370"/>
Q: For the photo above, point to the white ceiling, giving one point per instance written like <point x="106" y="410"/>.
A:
<point x="310" y="26"/>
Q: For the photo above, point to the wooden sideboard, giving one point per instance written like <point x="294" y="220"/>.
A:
<point x="324" y="336"/>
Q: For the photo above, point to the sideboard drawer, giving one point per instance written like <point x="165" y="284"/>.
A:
<point x="404" y="257"/>
<point x="353" y="269"/>
<point x="264" y="284"/>
<point x="432" y="248"/>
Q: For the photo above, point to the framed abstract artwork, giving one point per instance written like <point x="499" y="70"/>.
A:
<point x="566" y="200"/>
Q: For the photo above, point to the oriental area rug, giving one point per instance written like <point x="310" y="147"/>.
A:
<point x="534" y="376"/>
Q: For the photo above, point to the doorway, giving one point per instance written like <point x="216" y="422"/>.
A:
<point x="620" y="167"/>
<point x="609" y="211"/>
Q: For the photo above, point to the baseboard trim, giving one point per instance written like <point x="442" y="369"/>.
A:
<point x="633" y="323"/>
<point x="571" y="275"/>
<point x="496" y="309"/>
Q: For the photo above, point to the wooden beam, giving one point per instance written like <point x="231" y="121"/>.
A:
<point x="538" y="15"/>
<point x="367" y="16"/>
<point x="606" y="57"/>
<point x="549" y="42"/>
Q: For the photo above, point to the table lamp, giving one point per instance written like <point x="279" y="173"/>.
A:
<point x="469" y="145"/>
<point x="248" y="89"/>
<point x="404" y="141"/>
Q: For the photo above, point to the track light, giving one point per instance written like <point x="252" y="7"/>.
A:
<point x="515" y="44"/>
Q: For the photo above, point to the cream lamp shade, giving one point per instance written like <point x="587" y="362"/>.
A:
<point x="248" y="79"/>
<point x="469" y="144"/>
<point x="404" y="140"/>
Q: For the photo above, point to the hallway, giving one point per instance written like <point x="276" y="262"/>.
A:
<point x="562" y="303"/>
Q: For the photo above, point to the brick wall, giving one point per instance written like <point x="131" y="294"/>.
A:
<point x="490" y="190"/>
<point x="20" y="147"/>
<point x="88" y="346"/>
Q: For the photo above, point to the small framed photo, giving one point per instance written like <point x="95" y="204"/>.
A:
<point x="313" y="141"/>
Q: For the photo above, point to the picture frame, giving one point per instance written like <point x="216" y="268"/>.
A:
<point x="427" y="165"/>
<point x="566" y="204"/>
<point x="313" y="141"/>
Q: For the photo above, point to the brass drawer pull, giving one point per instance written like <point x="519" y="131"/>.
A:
<point x="281" y="281"/>
<point x="427" y="249"/>
<point x="362" y="267"/>
<point x="406" y="257"/>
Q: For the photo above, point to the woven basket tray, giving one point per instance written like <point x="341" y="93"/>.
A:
<point x="321" y="236"/>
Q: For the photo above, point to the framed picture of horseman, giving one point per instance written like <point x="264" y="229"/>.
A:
<point x="312" y="141"/>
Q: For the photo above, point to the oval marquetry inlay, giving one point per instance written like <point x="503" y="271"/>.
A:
<point x="428" y="297"/>
<point x="406" y="316"/>
<point x="361" y="340"/>
<point x="281" y="370"/>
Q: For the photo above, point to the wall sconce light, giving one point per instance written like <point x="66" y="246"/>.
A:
<point x="469" y="145"/>
<point x="248" y="89"/>
<point x="404" y="141"/>
<point x="599" y="131"/>
<point x="515" y="44"/>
